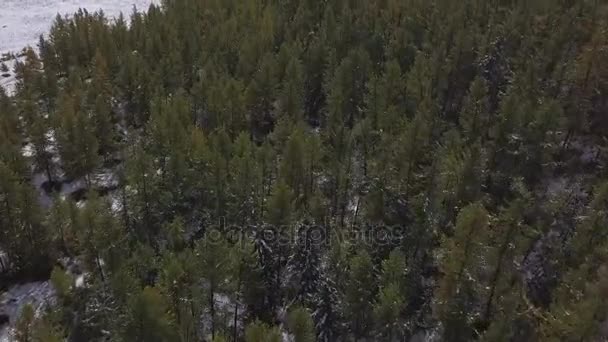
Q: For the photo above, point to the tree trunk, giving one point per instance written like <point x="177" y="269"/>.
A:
<point x="98" y="262"/>
<point x="49" y="175"/>
<point x="125" y="212"/>
<point x="212" y="310"/>
<point x="354" y="224"/>
<point x="497" y="272"/>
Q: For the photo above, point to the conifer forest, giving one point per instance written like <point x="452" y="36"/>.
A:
<point x="310" y="170"/>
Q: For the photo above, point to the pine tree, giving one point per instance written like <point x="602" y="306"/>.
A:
<point x="76" y="141"/>
<point x="359" y="293"/>
<point x="274" y="242"/>
<point x="247" y="283"/>
<point x="313" y="152"/>
<point x="292" y="93"/>
<point x="474" y="118"/>
<point x="292" y="168"/>
<point x="213" y="252"/>
<point x="280" y="206"/>
<point x="588" y="238"/>
<point x="23" y="237"/>
<point x="175" y="235"/>
<point x="143" y="201"/>
<point x="507" y="244"/>
<point x="28" y="75"/>
<point x="460" y="170"/>
<point x="50" y="87"/>
<point x="327" y="315"/>
<point x="25" y="325"/>
<point x="11" y="135"/>
<point x="578" y="312"/>
<point x="460" y="256"/>
<point x="366" y="141"/>
<point x="45" y="330"/>
<point x="178" y="280"/>
<point x="577" y="308"/>
<point x="39" y="137"/>
<point x="412" y="140"/>
<point x="62" y="282"/>
<point x="303" y="267"/>
<point x="100" y="236"/>
<point x="29" y="109"/>
<point x="394" y="270"/>
<point x="384" y="97"/>
<point x="100" y="96"/>
<point x="266" y="157"/>
<point x="260" y="332"/>
<point x="219" y="338"/>
<point x="219" y="157"/>
<point x="148" y="318"/>
<point x="169" y="127"/>
<point x="260" y="96"/>
<point x="387" y="312"/>
<point x="301" y="325"/>
<point x="244" y="176"/>
<point x="224" y="103"/>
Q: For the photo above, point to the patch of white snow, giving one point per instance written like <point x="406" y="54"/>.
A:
<point x="38" y="294"/>
<point x="8" y="80"/>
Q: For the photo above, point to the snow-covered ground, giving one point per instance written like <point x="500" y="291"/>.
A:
<point x="38" y="294"/>
<point x="7" y="80"/>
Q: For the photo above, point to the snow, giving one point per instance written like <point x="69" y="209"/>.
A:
<point x="432" y="335"/>
<point x="44" y="199"/>
<point x="4" y="262"/>
<point x="38" y="294"/>
<point x="9" y="82"/>
<point x="115" y="202"/>
<point x="105" y="178"/>
<point x="68" y="188"/>
<point x="79" y="281"/>
<point x="28" y="150"/>
<point x="587" y="150"/>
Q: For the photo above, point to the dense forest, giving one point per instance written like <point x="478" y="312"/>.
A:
<point x="336" y="170"/>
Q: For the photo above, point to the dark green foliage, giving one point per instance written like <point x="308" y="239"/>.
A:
<point x="148" y="318"/>
<point x="331" y="170"/>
